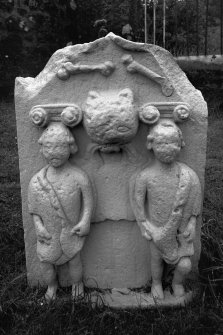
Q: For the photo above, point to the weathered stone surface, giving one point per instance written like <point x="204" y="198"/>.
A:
<point x="109" y="67"/>
<point x="113" y="242"/>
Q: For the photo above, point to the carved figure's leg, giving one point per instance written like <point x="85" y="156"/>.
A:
<point x="183" y="267"/>
<point x="75" y="270"/>
<point x="50" y="277"/>
<point x="157" y="272"/>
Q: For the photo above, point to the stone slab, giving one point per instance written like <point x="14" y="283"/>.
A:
<point x="110" y="174"/>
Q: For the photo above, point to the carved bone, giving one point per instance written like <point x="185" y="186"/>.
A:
<point x="69" y="69"/>
<point x="135" y="67"/>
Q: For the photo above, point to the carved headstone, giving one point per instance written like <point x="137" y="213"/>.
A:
<point x="114" y="96"/>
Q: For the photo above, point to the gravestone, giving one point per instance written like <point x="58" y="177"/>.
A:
<point x="131" y="113"/>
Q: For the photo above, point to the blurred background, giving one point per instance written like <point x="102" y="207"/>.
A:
<point x="31" y="30"/>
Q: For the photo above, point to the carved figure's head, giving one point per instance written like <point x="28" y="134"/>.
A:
<point x="57" y="144"/>
<point x="166" y="141"/>
<point x="110" y="121"/>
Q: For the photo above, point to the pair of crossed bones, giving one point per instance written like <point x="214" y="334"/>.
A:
<point x="108" y="67"/>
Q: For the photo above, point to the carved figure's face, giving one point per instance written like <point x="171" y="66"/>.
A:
<point x="166" y="147"/>
<point x="166" y="141"/>
<point x="57" y="144"/>
<point x="56" y="152"/>
<point x="110" y="121"/>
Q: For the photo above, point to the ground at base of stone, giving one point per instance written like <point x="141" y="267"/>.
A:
<point x="125" y="298"/>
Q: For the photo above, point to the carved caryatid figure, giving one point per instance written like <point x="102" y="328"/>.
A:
<point x="61" y="203"/>
<point x="167" y="202"/>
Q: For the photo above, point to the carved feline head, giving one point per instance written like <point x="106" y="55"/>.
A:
<point x="109" y="120"/>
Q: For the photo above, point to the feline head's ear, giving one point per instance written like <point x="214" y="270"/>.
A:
<point x="126" y="95"/>
<point x="92" y="95"/>
<point x="92" y="98"/>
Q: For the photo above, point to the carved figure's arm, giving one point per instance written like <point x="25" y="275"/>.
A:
<point x="139" y="206"/>
<point x="139" y="195"/>
<point x="41" y="232"/>
<point x="83" y="227"/>
<point x="196" y="194"/>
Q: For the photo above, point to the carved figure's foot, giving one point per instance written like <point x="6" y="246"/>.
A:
<point x="50" y="294"/>
<point x="157" y="291"/>
<point x="77" y="290"/>
<point x="178" y="290"/>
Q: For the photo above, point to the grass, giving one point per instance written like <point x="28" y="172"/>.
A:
<point x="21" y="309"/>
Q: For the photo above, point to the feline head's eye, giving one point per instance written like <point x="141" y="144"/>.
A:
<point x="123" y="129"/>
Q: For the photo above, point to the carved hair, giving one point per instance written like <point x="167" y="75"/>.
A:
<point x="60" y="133"/>
<point x="163" y="129"/>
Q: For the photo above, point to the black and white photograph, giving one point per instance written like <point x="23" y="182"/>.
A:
<point x="111" y="167"/>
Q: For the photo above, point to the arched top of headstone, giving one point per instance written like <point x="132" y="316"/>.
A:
<point x="116" y="62"/>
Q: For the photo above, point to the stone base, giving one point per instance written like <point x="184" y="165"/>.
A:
<point x="125" y="298"/>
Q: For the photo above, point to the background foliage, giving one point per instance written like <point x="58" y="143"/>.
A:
<point x="186" y="25"/>
<point x="31" y="30"/>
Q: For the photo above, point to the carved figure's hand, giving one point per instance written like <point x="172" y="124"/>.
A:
<point x="145" y="230"/>
<point x="43" y="236"/>
<point x="189" y="233"/>
<point x="81" y="229"/>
